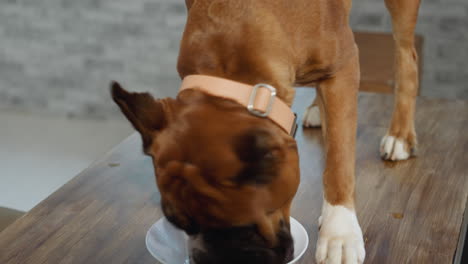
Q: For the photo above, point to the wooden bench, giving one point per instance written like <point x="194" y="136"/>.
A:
<point x="410" y="211"/>
<point x="376" y="56"/>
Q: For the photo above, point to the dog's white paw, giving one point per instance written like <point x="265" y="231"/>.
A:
<point x="340" y="238"/>
<point x="392" y="148"/>
<point x="312" y="117"/>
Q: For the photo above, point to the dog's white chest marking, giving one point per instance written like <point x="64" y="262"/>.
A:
<point x="340" y="238"/>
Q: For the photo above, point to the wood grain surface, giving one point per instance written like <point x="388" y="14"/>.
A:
<point x="410" y="212"/>
<point x="8" y="216"/>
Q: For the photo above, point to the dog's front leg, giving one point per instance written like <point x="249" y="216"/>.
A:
<point x="340" y="237"/>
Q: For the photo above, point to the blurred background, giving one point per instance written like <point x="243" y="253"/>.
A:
<point x="58" y="56"/>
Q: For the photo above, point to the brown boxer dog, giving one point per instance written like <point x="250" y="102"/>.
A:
<point x="228" y="177"/>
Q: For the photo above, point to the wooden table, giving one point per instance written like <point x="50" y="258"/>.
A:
<point x="410" y="212"/>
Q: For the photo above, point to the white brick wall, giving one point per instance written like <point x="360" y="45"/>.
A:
<point x="58" y="55"/>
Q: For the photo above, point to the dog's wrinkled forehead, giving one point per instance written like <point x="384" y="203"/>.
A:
<point x="211" y="141"/>
<point x="219" y="138"/>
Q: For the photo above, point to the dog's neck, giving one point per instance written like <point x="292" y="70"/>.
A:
<point x="261" y="98"/>
<point x="248" y="76"/>
<point x="215" y="47"/>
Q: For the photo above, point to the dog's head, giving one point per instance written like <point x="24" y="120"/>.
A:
<point x="226" y="177"/>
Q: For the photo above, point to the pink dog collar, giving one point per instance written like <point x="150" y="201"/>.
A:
<point x="260" y="99"/>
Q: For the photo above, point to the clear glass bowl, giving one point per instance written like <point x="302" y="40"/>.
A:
<point x="169" y="245"/>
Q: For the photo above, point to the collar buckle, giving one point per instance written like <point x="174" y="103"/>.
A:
<point x="253" y="95"/>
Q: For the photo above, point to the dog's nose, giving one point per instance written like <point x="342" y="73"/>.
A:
<point x="240" y="245"/>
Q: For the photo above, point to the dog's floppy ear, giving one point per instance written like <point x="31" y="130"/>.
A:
<point x="259" y="152"/>
<point x="144" y="112"/>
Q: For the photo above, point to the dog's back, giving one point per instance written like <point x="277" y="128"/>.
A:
<point x="296" y="41"/>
